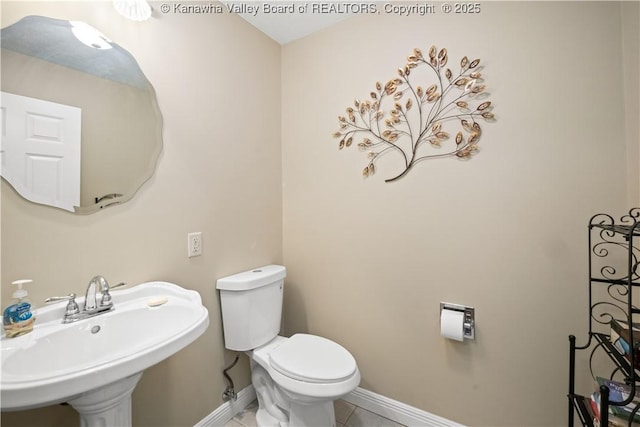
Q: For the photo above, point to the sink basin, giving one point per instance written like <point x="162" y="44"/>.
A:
<point x="63" y="362"/>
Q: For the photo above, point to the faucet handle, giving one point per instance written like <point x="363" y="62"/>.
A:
<point x="72" y="306"/>
<point x="106" y="300"/>
<point x="119" y="285"/>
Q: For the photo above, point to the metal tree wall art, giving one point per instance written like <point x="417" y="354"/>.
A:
<point x="410" y="120"/>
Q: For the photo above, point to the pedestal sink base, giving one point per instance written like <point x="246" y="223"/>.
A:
<point x="109" y="405"/>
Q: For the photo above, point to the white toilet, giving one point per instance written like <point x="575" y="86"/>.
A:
<point x="296" y="379"/>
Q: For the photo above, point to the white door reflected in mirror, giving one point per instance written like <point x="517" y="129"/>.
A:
<point x="41" y="150"/>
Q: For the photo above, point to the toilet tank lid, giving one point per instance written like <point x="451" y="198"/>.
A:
<point x="252" y="279"/>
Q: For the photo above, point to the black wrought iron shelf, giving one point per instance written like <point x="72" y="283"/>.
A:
<point x="625" y="230"/>
<point x="614" y="273"/>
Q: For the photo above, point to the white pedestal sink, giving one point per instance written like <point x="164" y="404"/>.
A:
<point x="94" y="364"/>
<point x="107" y="406"/>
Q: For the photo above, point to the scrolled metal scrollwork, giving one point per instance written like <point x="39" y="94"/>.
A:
<point x="601" y="219"/>
<point x="601" y="315"/>
<point x="618" y="292"/>
<point x="600" y="249"/>
<point x="608" y="272"/>
<point x="632" y="218"/>
<point x="618" y="252"/>
<point x="614" y="241"/>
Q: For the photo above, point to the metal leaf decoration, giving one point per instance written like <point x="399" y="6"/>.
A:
<point x="410" y="120"/>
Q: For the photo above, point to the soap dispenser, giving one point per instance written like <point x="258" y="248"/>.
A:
<point x="18" y="318"/>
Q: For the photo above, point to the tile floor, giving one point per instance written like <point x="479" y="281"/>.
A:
<point x="347" y="415"/>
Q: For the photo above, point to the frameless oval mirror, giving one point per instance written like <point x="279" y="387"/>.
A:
<point x="81" y="126"/>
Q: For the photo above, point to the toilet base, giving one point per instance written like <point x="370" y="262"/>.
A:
<point x="263" y="419"/>
<point x="321" y="414"/>
<point x="300" y="415"/>
<point x="275" y="410"/>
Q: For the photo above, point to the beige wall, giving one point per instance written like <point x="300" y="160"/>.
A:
<point x="631" y="56"/>
<point x="218" y="85"/>
<point x="369" y="262"/>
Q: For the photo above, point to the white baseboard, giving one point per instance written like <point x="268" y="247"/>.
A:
<point x="373" y="402"/>
<point x="228" y="410"/>
<point x="396" y="411"/>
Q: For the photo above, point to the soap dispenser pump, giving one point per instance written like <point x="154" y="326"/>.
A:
<point x="18" y="318"/>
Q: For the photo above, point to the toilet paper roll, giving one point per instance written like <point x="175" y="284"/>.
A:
<point x="452" y="324"/>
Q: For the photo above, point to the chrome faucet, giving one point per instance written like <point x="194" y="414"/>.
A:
<point x="98" y="283"/>
<point x="91" y="305"/>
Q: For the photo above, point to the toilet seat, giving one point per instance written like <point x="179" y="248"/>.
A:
<point x="314" y="359"/>
<point x="307" y="390"/>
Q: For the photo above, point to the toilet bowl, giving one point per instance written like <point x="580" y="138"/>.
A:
<point x="296" y="379"/>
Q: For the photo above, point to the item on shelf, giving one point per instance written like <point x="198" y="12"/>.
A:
<point x="613" y="420"/>
<point x="620" y="338"/>
<point x="594" y="408"/>
<point x="619" y="392"/>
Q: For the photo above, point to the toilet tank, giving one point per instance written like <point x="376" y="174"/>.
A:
<point x="251" y="304"/>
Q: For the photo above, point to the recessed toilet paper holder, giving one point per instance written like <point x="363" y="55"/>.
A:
<point x="469" y="323"/>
